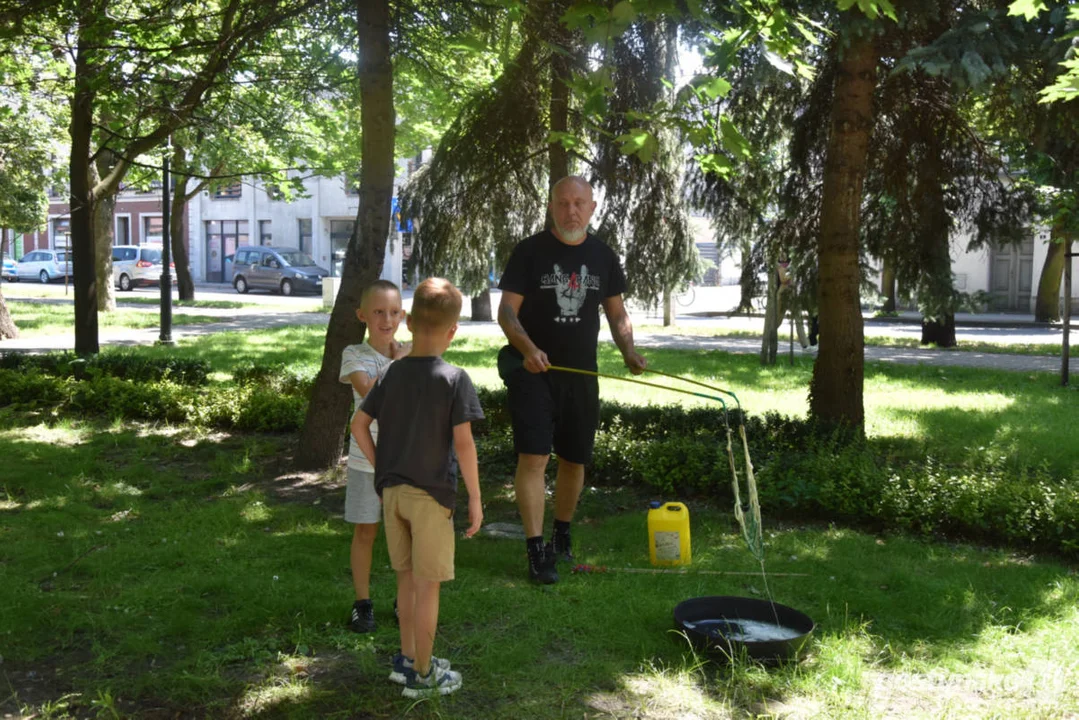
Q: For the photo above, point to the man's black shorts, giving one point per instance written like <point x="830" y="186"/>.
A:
<point x="550" y="409"/>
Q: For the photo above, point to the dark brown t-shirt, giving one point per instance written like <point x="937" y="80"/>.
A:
<point x="417" y="402"/>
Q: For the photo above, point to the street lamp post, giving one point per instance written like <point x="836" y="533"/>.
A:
<point x="67" y="260"/>
<point x="1065" y="355"/>
<point x="166" y="274"/>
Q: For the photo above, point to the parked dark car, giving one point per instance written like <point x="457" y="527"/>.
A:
<point x="277" y="269"/>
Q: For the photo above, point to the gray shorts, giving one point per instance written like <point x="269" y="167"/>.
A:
<point x="362" y="506"/>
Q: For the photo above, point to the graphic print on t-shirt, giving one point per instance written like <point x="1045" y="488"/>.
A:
<point x="570" y="289"/>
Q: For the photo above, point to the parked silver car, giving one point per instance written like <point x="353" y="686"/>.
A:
<point x="44" y="265"/>
<point x="279" y="269"/>
<point x="136" y="265"/>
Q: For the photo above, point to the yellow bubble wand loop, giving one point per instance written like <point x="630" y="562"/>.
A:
<point x="578" y="371"/>
<point x="751" y="527"/>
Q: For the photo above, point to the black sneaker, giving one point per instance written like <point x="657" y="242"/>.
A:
<point x="363" y="617"/>
<point x="559" y="547"/>
<point x="541" y="567"/>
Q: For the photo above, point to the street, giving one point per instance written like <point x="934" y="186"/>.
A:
<point x="696" y="317"/>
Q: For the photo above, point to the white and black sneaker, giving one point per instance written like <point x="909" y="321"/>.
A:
<point x="402" y="667"/>
<point x="363" y="617"/>
<point x="438" y="681"/>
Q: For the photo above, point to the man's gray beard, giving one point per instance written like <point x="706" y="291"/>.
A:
<point x="572" y="236"/>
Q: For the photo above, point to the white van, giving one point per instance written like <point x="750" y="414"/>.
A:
<point x="136" y="265"/>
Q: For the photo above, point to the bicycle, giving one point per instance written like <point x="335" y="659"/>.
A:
<point x="686" y="297"/>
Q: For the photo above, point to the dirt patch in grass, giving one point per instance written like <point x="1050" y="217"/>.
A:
<point x="55" y="687"/>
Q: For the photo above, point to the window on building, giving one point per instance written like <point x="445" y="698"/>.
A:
<point x="153" y="230"/>
<point x="233" y="191"/>
<point x="340" y="233"/>
<point x="265" y="232"/>
<point x="305" y="236"/>
<point x="222" y="239"/>
<point x="123" y="230"/>
<point x="61" y="232"/>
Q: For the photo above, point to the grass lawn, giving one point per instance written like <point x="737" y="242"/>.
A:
<point x="155" y="573"/>
<point x="156" y="301"/>
<point x="1037" y="349"/>
<point x="41" y="318"/>
<point x="163" y="572"/>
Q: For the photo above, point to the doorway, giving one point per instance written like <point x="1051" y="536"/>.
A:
<point x="1011" y="276"/>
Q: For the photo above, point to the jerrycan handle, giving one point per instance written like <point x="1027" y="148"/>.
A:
<point x="674" y="506"/>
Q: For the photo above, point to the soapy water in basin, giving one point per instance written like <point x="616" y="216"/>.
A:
<point x="745" y="631"/>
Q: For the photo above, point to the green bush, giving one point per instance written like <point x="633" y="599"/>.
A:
<point x="277" y="377"/>
<point x="118" y="364"/>
<point x="801" y="472"/>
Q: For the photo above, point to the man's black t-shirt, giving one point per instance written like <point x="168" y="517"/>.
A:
<point x="418" y="402"/>
<point x="563" y="286"/>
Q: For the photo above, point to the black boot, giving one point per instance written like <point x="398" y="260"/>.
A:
<point x="541" y="566"/>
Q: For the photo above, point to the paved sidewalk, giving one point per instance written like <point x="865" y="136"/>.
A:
<point x="999" y="328"/>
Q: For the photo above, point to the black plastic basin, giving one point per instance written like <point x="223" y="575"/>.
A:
<point x="732" y="627"/>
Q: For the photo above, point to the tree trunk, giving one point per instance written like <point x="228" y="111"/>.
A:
<point x="323" y="435"/>
<point x="887" y="285"/>
<point x="185" y="284"/>
<point x="938" y="283"/>
<point x="481" y="307"/>
<point x="104" y="220"/>
<point x="747" y="281"/>
<point x="940" y="331"/>
<point x="561" y="73"/>
<point x="668" y="308"/>
<point x="772" y="318"/>
<point x="835" y="395"/>
<point x="82" y="198"/>
<point x="1047" y="304"/>
<point x="8" y="331"/>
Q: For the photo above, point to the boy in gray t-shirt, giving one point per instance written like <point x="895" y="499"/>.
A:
<point x="424" y="407"/>
<point x="380" y="309"/>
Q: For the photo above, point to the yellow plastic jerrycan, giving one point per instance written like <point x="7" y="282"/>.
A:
<point x="668" y="534"/>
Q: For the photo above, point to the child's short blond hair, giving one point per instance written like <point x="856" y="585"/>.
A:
<point x="436" y="305"/>
<point x="376" y="286"/>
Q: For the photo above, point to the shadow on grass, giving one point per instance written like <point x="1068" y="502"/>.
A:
<point x="1034" y="426"/>
<point x="182" y="586"/>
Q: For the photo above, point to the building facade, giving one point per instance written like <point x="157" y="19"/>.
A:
<point x="137" y="221"/>
<point x="216" y="223"/>
<point x="244" y="213"/>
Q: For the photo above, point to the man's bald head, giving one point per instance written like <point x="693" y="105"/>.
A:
<point x="572" y="207"/>
<point x="577" y="180"/>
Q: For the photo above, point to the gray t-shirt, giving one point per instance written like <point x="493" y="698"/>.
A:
<point x="361" y="358"/>
<point x="417" y="402"/>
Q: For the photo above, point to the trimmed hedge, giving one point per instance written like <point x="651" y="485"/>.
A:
<point x="800" y="471"/>
<point x="122" y="364"/>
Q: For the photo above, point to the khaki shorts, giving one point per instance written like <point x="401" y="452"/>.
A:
<point x="419" y="533"/>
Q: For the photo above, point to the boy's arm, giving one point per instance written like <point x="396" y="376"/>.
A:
<point x="362" y="382"/>
<point x="361" y="431"/>
<point x="470" y="471"/>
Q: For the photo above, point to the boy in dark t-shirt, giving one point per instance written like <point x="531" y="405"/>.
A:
<point x="552" y="289"/>
<point x="424" y="407"/>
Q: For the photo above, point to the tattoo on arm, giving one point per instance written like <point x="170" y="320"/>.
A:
<point x="508" y="320"/>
